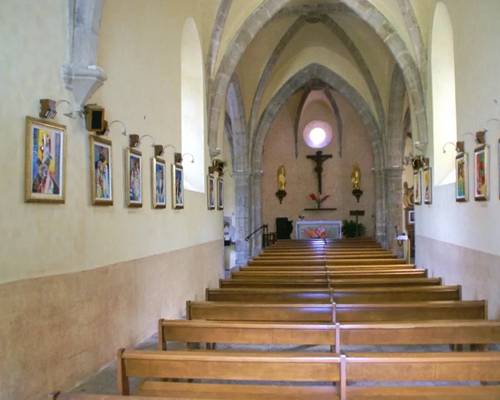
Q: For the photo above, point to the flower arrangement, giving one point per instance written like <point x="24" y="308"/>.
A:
<point x="317" y="233"/>
<point x="318" y="198"/>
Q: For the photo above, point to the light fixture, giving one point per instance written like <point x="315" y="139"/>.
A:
<point x="94" y="118"/>
<point x="188" y="154"/>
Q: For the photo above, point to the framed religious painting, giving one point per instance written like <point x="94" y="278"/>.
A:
<point x="159" y="182"/>
<point x="101" y="170"/>
<point x="481" y="173"/>
<point x="133" y="177"/>
<point x="220" y="193"/>
<point x="427" y="185"/>
<point x="45" y="171"/>
<point x="462" y="177"/>
<point x="177" y="187"/>
<point x="417" y="184"/>
<point x="211" y="192"/>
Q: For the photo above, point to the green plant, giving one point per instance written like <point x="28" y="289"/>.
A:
<point x="352" y="229"/>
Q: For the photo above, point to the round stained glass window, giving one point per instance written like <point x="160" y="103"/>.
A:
<point x="317" y="134"/>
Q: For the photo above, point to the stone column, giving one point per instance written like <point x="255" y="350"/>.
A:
<point x="256" y="210"/>
<point x="242" y="220"/>
<point x="380" y="208"/>
<point x="394" y="193"/>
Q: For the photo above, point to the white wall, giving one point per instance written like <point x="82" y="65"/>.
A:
<point x="473" y="225"/>
<point x="46" y="239"/>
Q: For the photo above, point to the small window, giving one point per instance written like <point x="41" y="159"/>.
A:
<point x="192" y="107"/>
<point x="317" y="134"/>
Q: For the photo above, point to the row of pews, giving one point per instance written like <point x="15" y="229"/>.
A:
<point x="339" y="296"/>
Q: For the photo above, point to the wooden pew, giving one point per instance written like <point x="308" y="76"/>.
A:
<point x="467" y="332"/>
<point x="87" y="396"/>
<point x="342" y="274"/>
<point x="199" y="331"/>
<point x="326" y="261"/>
<point x="420" y="367"/>
<point x="334" y="284"/>
<point x="286" y="295"/>
<point x="350" y="295"/>
<point x="343" y="313"/>
<point x="357" y="256"/>
<point x="411" y="311"/>
<point x="323" y="268"/>
<point x="313" y="369"/>
<point x="226" y="311"/>
<point x="419" y="333"/>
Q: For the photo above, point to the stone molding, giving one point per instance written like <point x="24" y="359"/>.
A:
<point x="80" y="73"/>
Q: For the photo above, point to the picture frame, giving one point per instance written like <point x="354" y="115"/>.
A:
<point x="159" y="182"/>
<point x="481" y="173"/>
<point x="417" y="184"/>
<point x="45" y="163"/>
<point x="133" y="178"/>
<point x="211" y="192"/>
<point x="101" y="170"/>
<point x="427" y="185"/>
<point x="462" y="177"/>
<point x="177" y="187"/>
<point x="220" y="193"/>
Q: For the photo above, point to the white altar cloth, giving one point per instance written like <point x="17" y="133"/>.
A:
<point x="304" y="229"/>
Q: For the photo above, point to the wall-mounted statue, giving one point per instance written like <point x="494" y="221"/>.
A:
<point x="281" y="174"/>
<point x="356" y="182"/>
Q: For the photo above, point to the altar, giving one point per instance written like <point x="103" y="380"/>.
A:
<point x="312" y="229"/>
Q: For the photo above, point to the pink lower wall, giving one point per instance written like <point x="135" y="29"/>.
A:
<point x="301" y="179"/>
<point x="56" y="331"/>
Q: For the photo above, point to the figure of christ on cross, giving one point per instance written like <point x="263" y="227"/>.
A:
<point x="319" y="158"/>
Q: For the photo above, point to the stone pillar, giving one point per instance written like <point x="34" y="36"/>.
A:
<point x="394" y="195"/>
<point x="242" y="214"/>
<point x="256" y="210"/>
<point x="380" y="209"/>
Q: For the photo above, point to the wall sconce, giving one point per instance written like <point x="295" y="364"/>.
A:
<point x="134" y="141"/>
<point x="481" y="137"/>
<point x="159" y="149"/>
<point x="426" y="161"/>
<point x="459" y="146"/>
<point x="177" y="158"/>
<point x="417" y="163"/>
<point x="107" y="127"/>
<point x="94" y="118"/>
<point x="188" y="154"/>
<point x="218" y="166"/>
<point x="48" y="108"/>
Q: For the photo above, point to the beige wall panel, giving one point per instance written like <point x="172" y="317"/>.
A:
<point x="58" y="330"/>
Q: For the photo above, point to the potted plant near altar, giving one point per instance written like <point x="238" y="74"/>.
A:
<point x="318" y="199"/>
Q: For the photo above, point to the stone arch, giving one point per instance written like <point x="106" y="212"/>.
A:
<point x="415" y="34"/>
<point x="218" y="30"/>
<point x="361" y="8"/>
<point x="330" y="79"/>
<point x="318" y="73"/>
<point x="346" y="41"/>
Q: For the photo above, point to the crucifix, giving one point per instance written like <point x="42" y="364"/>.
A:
<point x="319" y="158"/>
